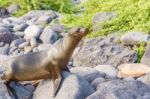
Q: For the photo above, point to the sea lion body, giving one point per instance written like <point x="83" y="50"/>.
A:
<point x="45" y="64"/>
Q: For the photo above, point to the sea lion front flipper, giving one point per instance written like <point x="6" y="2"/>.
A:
<point x="57" y="79"/>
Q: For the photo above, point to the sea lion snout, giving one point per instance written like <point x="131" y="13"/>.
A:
<point x="79" y="31"/>
<point x="84" y="31"/>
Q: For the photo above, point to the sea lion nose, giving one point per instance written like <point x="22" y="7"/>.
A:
<point x="84" y="30"/>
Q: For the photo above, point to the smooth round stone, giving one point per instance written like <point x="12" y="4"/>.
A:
<point x="35" y="49"/>
<point x="58" y="28"/>
<point x="33" y="42"/>
<point x="44" y="46"/>
<point x="17" y="42"/>
<point x="20" y="27"/>
<point x="22" y="45"/>
<point x="1" y="44"/>
<point x="44" y="19"/>
<point x="28" y="49"/>
<point x="97" y="81"/>
<point x="12" y="50"/>
<point x="32" y="31"/>
<point x="21" y="34"/>
<point x="4" y="50"/>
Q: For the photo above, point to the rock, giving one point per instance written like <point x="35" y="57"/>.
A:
<point x="4" y="94"/>
<point x="1" y="44"/>
<point x="133" y="70"/>
<point x="44" y="47"/>
<point x="28" y="49"/>
<point x="20" y="27"/>
<point x="101" y="17"/>
<point x="129" y="78"/>
<point x="132" y="38"/>
<point x="119" y="89"/>
<point x="4" y="13"/>
<point x="73" y="87"/>
<point x="87" y="73"/>
<point x="7" y="37"/>
<point x="48" y="36"/>
<point x="12" y="50"/>
<point x="33" y="42"/>
<point x="58" y="28"/>
<point x="44" y="19"/>
<point x="22" y="45"/>
<point x="17" y="42"/>
<point x="145" y="79"/>
<point x="4" y="50"/>
<point x="97" y="81"/>
<point x="13" y="8"/>
<point x="146" y="56"/>
<point x="21" y="91"/>
<point x="35" y="49"/>
<point x="20" y="34"/>
<point x="38" y="13"/>
<point x="32" y="31"/>
<point x="4" y="30"/>
<point x="107" y="69"/>
<point x="103" y="51"/>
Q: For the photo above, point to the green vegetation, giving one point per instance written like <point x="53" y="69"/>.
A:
<point x="140" y="51"/>
<point x="133" y="15"/>
<point x="63" y="6"/>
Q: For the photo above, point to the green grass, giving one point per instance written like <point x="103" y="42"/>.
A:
<point x="133" y="15"/>
<point x="62" y="6"/>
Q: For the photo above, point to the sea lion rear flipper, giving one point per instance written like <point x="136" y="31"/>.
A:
<point x="57" y="79"/>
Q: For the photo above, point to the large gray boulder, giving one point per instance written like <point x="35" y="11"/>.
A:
<point x="73" y="87"/>
<point x="103" y="51"/>
<point x="119" y="89"/>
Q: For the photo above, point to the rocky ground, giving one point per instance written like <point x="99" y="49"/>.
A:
<point x="103" y="68"/>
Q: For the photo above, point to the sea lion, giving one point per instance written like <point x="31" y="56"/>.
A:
<point x="45" y="64"/>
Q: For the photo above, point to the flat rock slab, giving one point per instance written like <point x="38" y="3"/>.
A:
<point x="73" y="87"/>
<point x="133" y="70"/>
<point x="103" y="51"/>
<point x="119" y="89"/>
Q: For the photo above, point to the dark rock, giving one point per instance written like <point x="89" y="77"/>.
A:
<point x="4" y="13"/>
<point x="21" y="91"/>
<point x="7" y="37"/>
<point x="17" y="42"/>
<point x="73" y="87"/>
<point x="102" y="17"/>
<point x="102" y="51"/>
<point x="119" y="89"/>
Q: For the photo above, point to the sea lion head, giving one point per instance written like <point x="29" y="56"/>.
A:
<point x="79" y="32"/>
